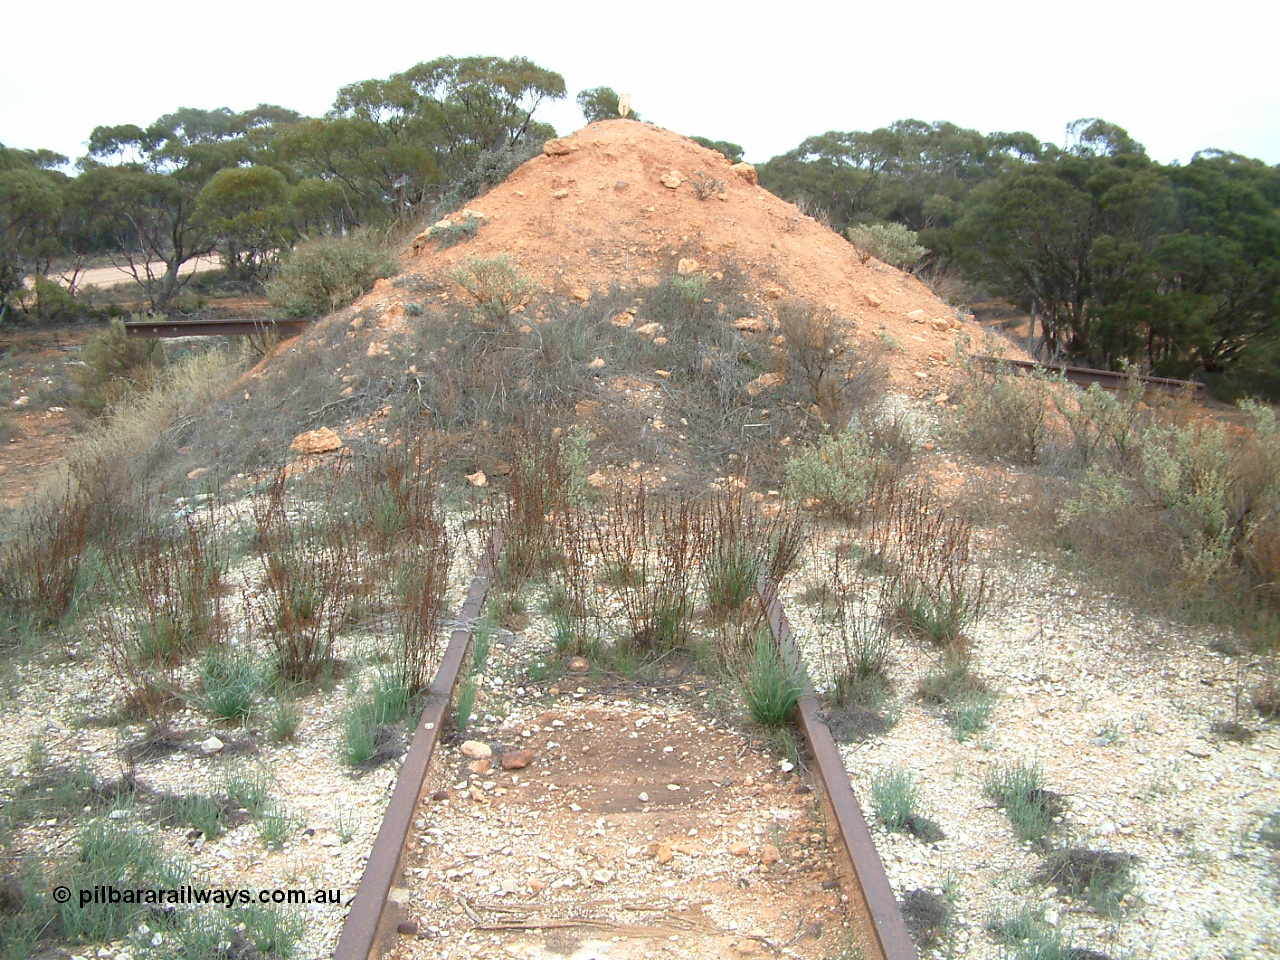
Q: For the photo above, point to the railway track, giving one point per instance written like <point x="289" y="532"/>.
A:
<point x="153" y="329"/>
<point x="1109" y="379"/>
<point x="597" y="821"/>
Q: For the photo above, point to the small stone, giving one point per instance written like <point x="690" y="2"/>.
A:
<point x="557" y="147"/>
<point x="516" y="759"/>
<point x="662" y="851"/>
<point x="578" y="665"/>
<point x="536" y="885"/>
<point x="751" y="325"/>
<point x="686" y="266"/>
<point x="664" y="374"/>
<point x="830" y="884"/>
<point x="476" y="750"/>
<point x="211" y="746"/>
<point x="740" y="849"/>
<point x="764" y="382"/>
<point x="770" y="854"/>
<point x="580" y="294"/>
<point x="745" y="171"/>
<point x="318" y="441"/>
<point x="644" y="798"/>
<point x="649" y="329"/>
<point x="477" y="479"/>
<point x="602" y="876"/>
<point x="672" y="179"/>
<point x="597" y="363"/>
<point x="622" y="320"/>
<point x="873" y="300"/>
<point x="559" y="194"/>
<point x="479" y="766"/>
<point x="439" y="795"/>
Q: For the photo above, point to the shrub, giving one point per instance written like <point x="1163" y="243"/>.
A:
<point x="454" y="233"/>
<point x="1103" y="878"/>
<point x="841" y="472"/>
<point x="1031" y="808"/>
<point x="969" y="713"/>
<point x="368" y="733"/>
<point x="894" y="797"/>
<point x="495" y="284"/>
<point x="705" y="187"/>
<point x="113" y="853"/>
<point x="231" y="682"/>
<point x="324" y="275"/>
<point x="1005" y="414"/>
<point x="772" y="687"/>
<point x="690" y="288"/>
<point x="116" y="367"/>
<point x="891" y="242"/>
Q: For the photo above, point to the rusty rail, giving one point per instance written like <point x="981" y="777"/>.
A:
<point x="1109" y="379"/>
<point x="370" y="923"/>
<point x="214" y="328"/>
<point x="892" y="940"/>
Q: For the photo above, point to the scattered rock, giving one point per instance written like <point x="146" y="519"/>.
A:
<point x="558" y="148"/>
<point x="751" y="325"/>
<point x="597" y="481"/>
<point x="649" y="329"/>
<point x="516" y="759"/>
<point x="764" y="382"/>
<point x="662" y="851"/>
<point x="873" y="299"/>
<point x="479" y="766"/>
<point x="597" y="363"/>
<point x="559" y="194"/>
<point x="686" y="266"/>
<point x="322" y="440"/>
<point x="740" y="849"/>
<point x="672" y="179"/>
<point x="770" y="854"/>
<point x="747" y="172"/>
<point x="580" y="294"/>
<point x="477" y="479"/>
<point x="476" y="750"/>
<point x="197" y="472"/>
<point x="578" y="665"/>
<point x="211" y="746"/>
<point x="622" y="320"/>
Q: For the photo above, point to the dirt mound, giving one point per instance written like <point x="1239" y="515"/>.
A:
<point x="626" y="202"/>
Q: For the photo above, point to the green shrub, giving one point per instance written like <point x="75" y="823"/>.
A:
<point x="113" y="853"/>
<point x="1005" y="415"/>
<point x="970" y="713"/>
<point x="1031" y="808"/>
<point x="891" y="242"/>
<point x="691" y="288"/>
<point x="231" y="682"/>
<point x="116" y="367"/>
<point x="841" y="472"/>
<point x="367" y="731"/>
<point x="772" y="687"/>
<point x="495" y="284"/>
<point x="324" y="275"/>
<point x="454" y="233"/>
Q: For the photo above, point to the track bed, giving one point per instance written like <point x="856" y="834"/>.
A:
<point x="641" y="827"/>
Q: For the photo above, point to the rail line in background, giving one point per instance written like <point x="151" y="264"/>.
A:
<point x="1109" y="379"/>
<point x="152" y="329"/>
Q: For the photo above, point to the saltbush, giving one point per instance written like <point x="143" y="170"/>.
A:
<point x="891" y="242"/>
<point x="324" y="275"/>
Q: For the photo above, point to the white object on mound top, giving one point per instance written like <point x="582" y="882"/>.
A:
<point x="624" y="104"/>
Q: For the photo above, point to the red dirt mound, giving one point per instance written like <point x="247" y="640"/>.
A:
<point x="626" y="202"/>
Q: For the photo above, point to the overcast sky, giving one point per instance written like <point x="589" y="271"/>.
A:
<point x="1178" y="78"/>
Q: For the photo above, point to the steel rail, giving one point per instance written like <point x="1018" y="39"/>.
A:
<point x="892" y="940"/>
<point x="370" y="923"/>
<point x="1105" y="378"/>
<point x="214" y="328"/>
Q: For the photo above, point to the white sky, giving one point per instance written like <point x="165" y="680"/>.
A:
<point x="1179" y="78"/>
